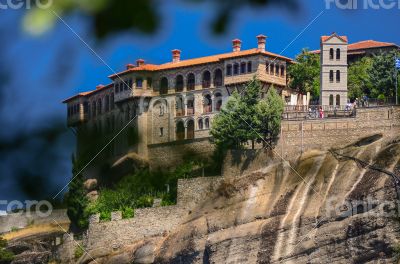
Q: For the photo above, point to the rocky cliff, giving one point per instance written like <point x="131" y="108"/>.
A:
<point x="330" y="207"/>
<point x="337" y="206"/>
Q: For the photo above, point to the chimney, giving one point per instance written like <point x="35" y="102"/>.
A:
<point x="176" y="55"/>
<point x="261" y="40"/>
<point x="236" y="43"/>
<point x="130" y="66"/>
<point x="139" y="62"/>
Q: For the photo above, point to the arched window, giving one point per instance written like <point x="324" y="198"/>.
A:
<point x="277" y="70"/>
<point x="243" y="68"/>
<point x="271" y="69"/>
<point x="116" y="88"/>
<point x="331" y="76"/>
<point x="164" y="86"/>
<point x="190" y="129"/>
<point x="229" y="69"/>
<point x="249" y="67"/>
<point x="331" y="54"/>
<point x="99" y="106"/>
<point x="207" y="123"/>
<point x="190" y="81"/>
<point x="217" y="78"/>
<point x="282" y="71"/>
<point x="190" y="105"/>
<point x="337" y="76"/>
<point x="218" y="102"/>
<point x="338" y="54"/>
<point x="180" y="107"/>
<point x="235" y="68"/>
<point x="180" y="130"/>
<point x="179" y="83"/>
<point x="200" y="123"/>
<point x="207" y="104"/>
<point x="331" y="99"/>
<point x="337" y="99"/>
<point x="206" y="79"/>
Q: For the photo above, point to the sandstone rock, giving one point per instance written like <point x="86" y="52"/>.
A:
<point x="90" y="184"/>
<point x="92" y="196"/>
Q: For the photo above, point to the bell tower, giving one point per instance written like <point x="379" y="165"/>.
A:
<point x="333" y="88"/>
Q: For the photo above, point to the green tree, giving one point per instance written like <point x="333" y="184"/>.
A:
<point x="231" y="127"/>
<point x="6" y="256"/>
<point x="247" y="118"/>
<point x="76" y="198"/>
<point x="305" y="73"/>
<point x="382" y="74"/>
<point x="269" y="116"/>
<point x="359" y="81"/>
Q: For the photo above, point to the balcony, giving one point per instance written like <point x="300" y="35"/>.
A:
<point x="207" y="109"/>
<point x="206" y="84"/>
<point x="190" y="111"/>
<point x="217" y="82"/>
<point x="77" y="119"/>
<point x="180" y="112"/>
<point x="190" y="86"/>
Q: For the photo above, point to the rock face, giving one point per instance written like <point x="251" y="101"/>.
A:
<point x="326" y="208"/>
<point x="337" y="206"/>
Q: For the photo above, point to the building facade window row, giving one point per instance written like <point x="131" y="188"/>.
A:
<point x="239" y="68"/>
<point x="275" y="69"/>
<point x="207" y="79"/>
<point x="101" y="105"/>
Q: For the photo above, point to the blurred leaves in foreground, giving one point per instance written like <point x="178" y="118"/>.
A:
<point x="110" y="16"/>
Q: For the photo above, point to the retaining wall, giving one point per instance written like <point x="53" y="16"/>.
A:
<point x="150" y="222"/>
<point x="21" y="220"/>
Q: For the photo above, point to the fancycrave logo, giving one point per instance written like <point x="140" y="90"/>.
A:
<point x="362" y="4"/>
<point x="25" y="4"/>
<point x="32" y="207"/>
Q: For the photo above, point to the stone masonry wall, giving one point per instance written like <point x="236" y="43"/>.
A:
<point x="22" y="220"/>
<point x="298" y="136"/>
<point x="149" y="222"/>
<point x="172" y="153"/>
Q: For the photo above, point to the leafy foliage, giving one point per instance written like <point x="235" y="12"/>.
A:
<point x="359" y="81"/>
<point x="76" y="198"/>
<point x="248" y="117"/>
<point x="382" y="74"/>
<point x="269" y="115"/>
<point x="305" y="73"/>
<point x="78" y="252"/>
<point x="6" y="256"/>
<point x="139" y="190"/>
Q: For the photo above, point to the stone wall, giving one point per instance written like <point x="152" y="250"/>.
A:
<point x="298" y="136"/>
<point x="172" y="153"/>
<point x="148" y="222"/>
<point x="22" y="220"/>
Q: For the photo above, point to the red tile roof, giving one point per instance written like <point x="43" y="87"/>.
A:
<point x="369" y="44"/>
<point x="83" y="94"/>
<point x="184" y="63"/>
<point x="365" y="44"/>
<point x="325" y="38"/>
<point x="198" y="61"/>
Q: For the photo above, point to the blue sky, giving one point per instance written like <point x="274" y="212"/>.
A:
<point x="35" y="88"/>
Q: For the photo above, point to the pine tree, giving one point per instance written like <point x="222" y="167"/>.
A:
<point x="76" y="198"/>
